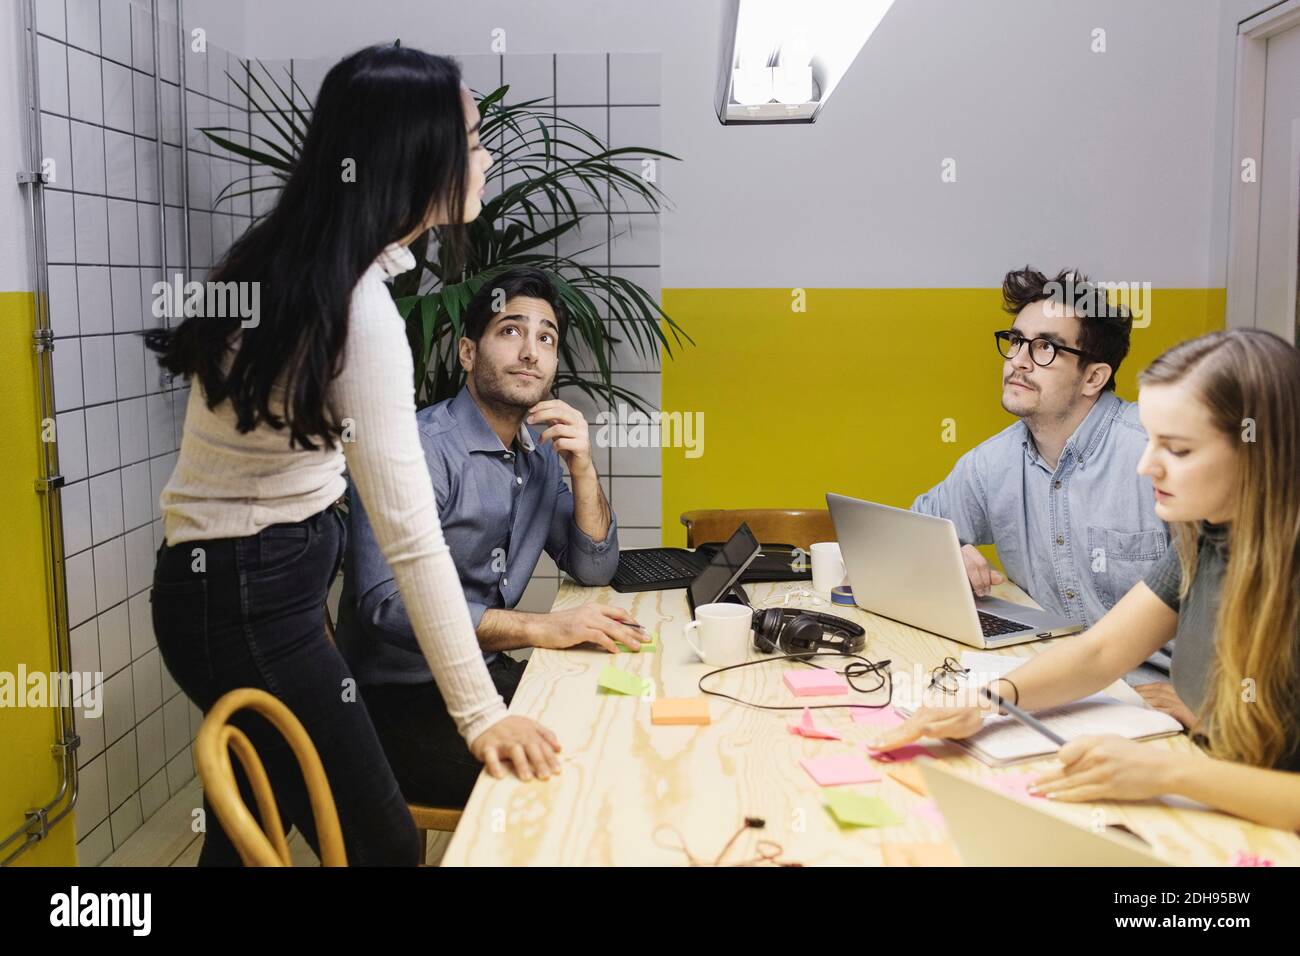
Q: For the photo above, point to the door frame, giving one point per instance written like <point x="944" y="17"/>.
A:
<point x="1253" y="34"/>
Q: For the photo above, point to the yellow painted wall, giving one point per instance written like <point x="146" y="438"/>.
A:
<point x="28" y="774"/>
<point x="850" y="396"/>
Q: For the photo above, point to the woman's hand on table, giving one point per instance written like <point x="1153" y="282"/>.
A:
<point x="1109" y="767"/>
<point x="932" y="721"/>
<point x="529" y="748"/>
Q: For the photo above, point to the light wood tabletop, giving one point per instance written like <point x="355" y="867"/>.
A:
<point x="624" y="779"/>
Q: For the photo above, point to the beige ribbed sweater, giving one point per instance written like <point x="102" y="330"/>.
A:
<point x="230" y="485"/>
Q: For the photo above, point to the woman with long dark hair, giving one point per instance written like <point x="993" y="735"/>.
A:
<point x="322" y="377"/>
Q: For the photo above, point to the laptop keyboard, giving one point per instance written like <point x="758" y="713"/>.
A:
<point x="650" y="566"/>
<point x="992" y="625"/>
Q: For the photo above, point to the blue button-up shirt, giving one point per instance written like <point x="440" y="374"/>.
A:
<point x="499" y="508"/>
<point x="1076" y="537"/>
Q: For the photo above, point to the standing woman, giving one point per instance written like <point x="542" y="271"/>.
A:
<point x="320" y="378"/>
<point x="1222" y="416"/>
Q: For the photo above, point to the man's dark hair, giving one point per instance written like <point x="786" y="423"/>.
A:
<point x="1104" y="326"/>
<point x="520" y="280"/>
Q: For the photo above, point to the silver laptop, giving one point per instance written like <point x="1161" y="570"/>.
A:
<point x="994" y="829"/>
<point x="907" y="566"/>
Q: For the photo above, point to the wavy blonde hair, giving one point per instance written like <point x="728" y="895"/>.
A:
<point x="1249" y="382"/>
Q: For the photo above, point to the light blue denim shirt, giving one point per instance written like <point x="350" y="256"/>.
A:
<point x="1075" y="537"/>
<point x="499" y="508"/>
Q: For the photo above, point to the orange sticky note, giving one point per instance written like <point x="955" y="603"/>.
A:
<point x="909" y="775"/>
<point x="680" y="710"/>
<point x="920" y="854"/>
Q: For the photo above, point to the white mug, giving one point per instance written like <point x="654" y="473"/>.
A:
<point x="827" y="567"/>
<point x="723" y="633"/>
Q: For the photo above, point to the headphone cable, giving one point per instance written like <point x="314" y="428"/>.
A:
<point x="858" y="667"/>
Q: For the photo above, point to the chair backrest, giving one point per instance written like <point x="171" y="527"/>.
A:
<point x="798" y="527"/>
<point x="217" y="737"/>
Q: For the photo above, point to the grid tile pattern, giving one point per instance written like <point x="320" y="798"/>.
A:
<point x="614" y="96"/>
<point x="118" y="421"/>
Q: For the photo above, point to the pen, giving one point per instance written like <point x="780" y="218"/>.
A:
<point x="1030" y="721"/>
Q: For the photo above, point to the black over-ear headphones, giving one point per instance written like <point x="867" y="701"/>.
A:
<point x="790" y="630"/>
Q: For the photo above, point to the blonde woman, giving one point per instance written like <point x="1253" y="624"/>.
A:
<point x="1222" y="413"/>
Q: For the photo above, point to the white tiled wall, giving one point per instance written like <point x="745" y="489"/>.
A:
<point x="615" y="96"/>
<point x="118" y="426"/>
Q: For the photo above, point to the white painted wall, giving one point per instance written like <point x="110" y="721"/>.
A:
<point x="1104" y="161"/>
<point x="856" y="199"/>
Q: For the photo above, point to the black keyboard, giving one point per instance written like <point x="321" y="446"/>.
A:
<point x="651" y="566"/>
<point x="992" y="625"/>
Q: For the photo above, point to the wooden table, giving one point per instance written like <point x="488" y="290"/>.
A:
<point x="622" y="777"/>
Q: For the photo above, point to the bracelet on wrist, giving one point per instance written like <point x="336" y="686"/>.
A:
<point x="1014" y="688"/>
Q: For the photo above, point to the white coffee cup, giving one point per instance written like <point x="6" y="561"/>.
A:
<point x="827" y="567"/>
<point x="724" y="631"/>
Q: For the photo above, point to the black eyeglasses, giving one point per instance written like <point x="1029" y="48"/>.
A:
<point x="947" y="676"/>
<point x="1041" y="351"/>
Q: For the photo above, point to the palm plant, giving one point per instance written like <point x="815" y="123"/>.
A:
<point x="553" y="176"/>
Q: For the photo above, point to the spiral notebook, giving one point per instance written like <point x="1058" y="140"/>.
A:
<point x="1004" y="740"/>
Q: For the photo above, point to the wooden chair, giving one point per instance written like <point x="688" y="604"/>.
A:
<point x="217" y="737"/>
<point x="441" y="819"/>
<point x="797" y="527"/>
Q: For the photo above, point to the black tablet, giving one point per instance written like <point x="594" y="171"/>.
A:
<point x="721" y="575"/>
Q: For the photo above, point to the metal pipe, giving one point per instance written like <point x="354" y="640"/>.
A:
<point x="185" y="140"/>
<point x="39" y="820"/>
<point x="157" y="112"/>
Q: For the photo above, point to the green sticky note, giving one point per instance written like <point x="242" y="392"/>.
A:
<point x="854" y="810"/>
<point x="647" y="645"/>
<point x="617" y="681"/>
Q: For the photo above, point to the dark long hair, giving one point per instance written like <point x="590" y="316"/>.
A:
<point x="396" y="113"/>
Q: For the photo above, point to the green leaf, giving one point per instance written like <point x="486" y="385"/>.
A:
<point x="561" y="177"/>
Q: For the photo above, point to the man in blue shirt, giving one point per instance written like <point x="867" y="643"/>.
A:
<point x="1058" y="492"/>
<point x="502" y="500"/>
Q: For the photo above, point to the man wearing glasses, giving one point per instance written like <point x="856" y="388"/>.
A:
<point x="1058" y="492"/>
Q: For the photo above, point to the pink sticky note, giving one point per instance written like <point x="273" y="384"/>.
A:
<point x="835" y="770"/>
<point x="910" y="752"/>
<point x="929" y="812"/>
<point x="883" y="718"/>
<point x="1017" y="785"/>
<point x="1250" y="859"/>
<point x="806" y="728"/>
<point x="815" y="683"/>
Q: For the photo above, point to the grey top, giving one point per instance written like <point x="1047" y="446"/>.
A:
<point x="1196" y="617"/>
<point x="1198" y="613"/>
<point x="499" y="508"/>
<point x="1076" y="537"/>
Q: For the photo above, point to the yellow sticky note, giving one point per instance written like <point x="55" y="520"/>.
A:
<point x="650" y="643"/>
<point x="617" y="681"/>
<point x="670" y="710"/>
<point x="854" y="810"/>
<point x="920" y="854"/>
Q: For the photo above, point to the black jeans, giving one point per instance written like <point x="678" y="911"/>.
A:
<point x="249" y="612"/>
<point x="432" y="763"/>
